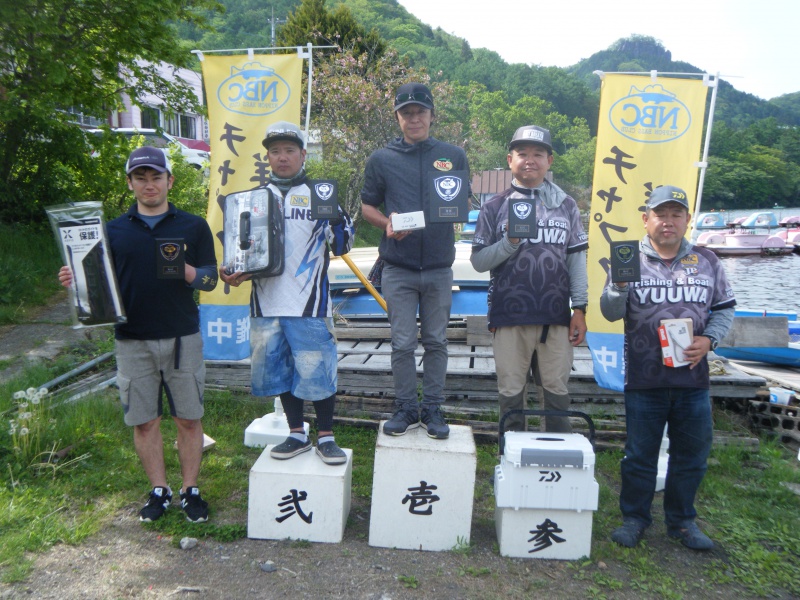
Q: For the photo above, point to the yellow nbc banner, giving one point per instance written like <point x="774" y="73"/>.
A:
<point x="649" y="134"/>
<point x="245" y="94"/>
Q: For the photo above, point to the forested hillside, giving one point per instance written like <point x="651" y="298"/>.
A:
<point x="755" y="145"/>
<point x="48" y="62"/>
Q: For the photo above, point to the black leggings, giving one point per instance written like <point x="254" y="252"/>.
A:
<point x="293" y="407"/>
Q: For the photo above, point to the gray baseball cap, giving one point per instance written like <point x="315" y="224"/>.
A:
<point x="667" y="193"/>
<point x="531" y="134"/>
<point x="283" y="130"/>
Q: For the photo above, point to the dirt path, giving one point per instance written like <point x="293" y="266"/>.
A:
<point x="46" y="333"/>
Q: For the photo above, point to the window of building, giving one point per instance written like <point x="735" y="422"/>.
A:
<point x="181" y="125"/>
<point x="151" y="118"/>
<point x="76" y="115"/>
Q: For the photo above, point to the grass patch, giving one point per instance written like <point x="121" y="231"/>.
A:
<point x="742" y="503"/>
<point x="29" y="262"/>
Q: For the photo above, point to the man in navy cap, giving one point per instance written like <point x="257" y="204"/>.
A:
<point x="678" y="281"/>
<point x="160" y="347"/>
<point x="533" y="280"/>
<point x="418" y="271"/>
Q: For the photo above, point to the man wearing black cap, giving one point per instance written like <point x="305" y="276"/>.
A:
<point x="160" y="346"/>
<point x="418" y="270"/>
<point x="678" y="281"/>
<point x="292" y="342"/>
<point x="532" y="282"/>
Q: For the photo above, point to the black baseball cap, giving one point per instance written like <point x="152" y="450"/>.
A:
<point x="667" y="193"/>
<point x="531" y="134"/>
<point x="150" y="157"/>
<point x="413" y="93"/>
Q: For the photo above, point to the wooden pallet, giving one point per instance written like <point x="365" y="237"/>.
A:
<point x="471" y="385"/>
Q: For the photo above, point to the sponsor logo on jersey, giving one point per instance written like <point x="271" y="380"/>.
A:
<point x="690" y="259"/>
<point x="301" y="201"/>
<point x="443" y="164"/>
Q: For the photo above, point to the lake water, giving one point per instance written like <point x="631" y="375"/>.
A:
<point x="765" y="282"/>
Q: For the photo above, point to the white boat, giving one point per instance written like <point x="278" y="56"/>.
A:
<point x="790" y="231"/>
<point x="753" y="235"/>
<point x="744" y="243"/>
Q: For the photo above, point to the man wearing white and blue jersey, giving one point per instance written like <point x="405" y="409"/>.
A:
<point x="292" y="341"/>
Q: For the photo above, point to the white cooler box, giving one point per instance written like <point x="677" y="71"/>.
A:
<point x="546" y="471"/>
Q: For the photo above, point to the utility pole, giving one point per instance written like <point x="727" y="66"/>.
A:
<point x="273" y="21"/>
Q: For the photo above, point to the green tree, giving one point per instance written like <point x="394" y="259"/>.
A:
<point x="56" y="54"/>
<point x="312" y="22"/>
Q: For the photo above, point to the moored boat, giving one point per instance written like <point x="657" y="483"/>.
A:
<point x="742" y="242"/>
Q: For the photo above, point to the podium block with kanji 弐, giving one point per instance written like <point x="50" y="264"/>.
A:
<point x="301" y="498"/>
<point x="422" y="490"/>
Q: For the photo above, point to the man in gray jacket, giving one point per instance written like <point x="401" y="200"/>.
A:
<point x="532" y="282"/>
<point x="678" y="281"/>
<point x="418" y="270"/>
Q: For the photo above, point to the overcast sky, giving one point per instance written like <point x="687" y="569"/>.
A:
<point x="754" y="45"/>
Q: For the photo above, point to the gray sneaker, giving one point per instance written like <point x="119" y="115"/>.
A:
<point x="691" y="537"/>
<point x="629" y="534"/>
<point x="402" y="420"/>
<point x="433" y="421"/>
<point x="290" y="447"/>
<point x="331" y="454"/>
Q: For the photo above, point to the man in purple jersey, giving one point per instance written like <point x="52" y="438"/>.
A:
<point x="532" y="282"/>
<point x="678" y="280"/>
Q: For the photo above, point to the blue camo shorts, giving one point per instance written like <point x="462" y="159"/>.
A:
<point x="296" y="354"/>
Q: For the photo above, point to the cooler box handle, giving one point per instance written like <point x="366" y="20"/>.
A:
<point x="501" y="438"/>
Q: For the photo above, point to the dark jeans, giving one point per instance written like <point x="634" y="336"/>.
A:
<point x="687" y="413"/>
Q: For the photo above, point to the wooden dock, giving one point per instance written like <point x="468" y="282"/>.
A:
<point x="366" y="387"/>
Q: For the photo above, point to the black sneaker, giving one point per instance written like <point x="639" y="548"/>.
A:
<point x="157" y="504"/>
<point x="331" y="454"/>
<point x="402" y="420"/>
<point x="433" y="421"/>
<point x="194" y="506"/>
<point x="290" y="447"/>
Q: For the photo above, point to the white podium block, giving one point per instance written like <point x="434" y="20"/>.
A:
<point x="301" y="498"/>
<point x="272" y="428"/>
<point x="543" y="533"/>
<point x="267" y="430"/>
<point x="422" y="490"/>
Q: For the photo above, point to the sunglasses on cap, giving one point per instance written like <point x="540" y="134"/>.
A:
<point x="415" y="97"/>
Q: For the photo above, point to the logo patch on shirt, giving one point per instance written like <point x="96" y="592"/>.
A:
<point x="690" y="259"/>
<point x="301" y="201"/>
<point x="443" y="164"/>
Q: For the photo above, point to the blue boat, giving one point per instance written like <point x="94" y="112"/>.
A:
<point x="788" y="356"/>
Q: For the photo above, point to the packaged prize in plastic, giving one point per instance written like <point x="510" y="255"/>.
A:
<point x="81" y="234"/>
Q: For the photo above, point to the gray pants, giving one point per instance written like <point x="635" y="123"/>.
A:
<point x="431" y="291"/>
